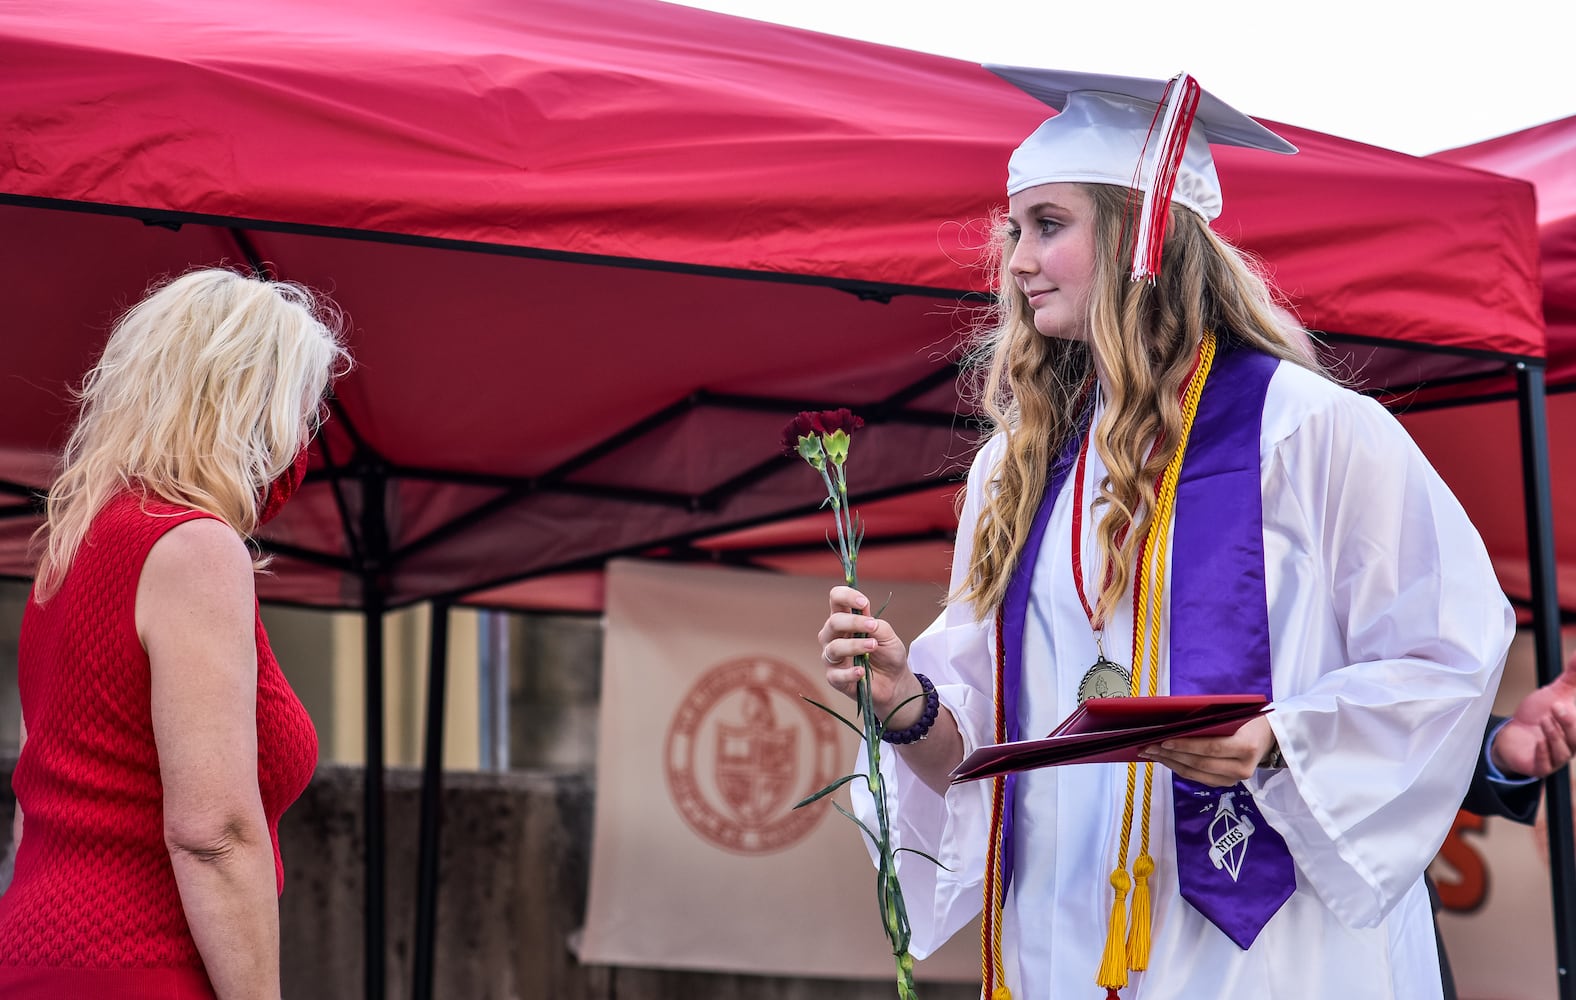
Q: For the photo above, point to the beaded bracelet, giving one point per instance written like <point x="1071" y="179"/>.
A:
<point x="917" y="731"/>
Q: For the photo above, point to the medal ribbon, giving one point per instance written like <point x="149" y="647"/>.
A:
<point x="1097" y="626"/>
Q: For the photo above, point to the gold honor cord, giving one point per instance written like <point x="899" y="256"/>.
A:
<point x="1119" y="956"/>
<point x="995" y="978"/>
<point x="1150" y="588"/>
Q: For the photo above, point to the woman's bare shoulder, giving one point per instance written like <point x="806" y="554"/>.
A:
<point x="201" y="541"/>
<point x="199" y="566"/>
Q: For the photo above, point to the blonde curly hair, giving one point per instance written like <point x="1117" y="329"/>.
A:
<point x="206" y="391"/>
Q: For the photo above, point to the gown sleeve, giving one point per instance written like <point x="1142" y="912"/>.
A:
<point x="1380" y="743"/>
<point x="955" y="652"/>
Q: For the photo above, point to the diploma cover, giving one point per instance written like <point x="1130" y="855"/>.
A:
<point x="1112" y="731"/>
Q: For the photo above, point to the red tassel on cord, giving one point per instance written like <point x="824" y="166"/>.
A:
<point x="1178" y="107"/>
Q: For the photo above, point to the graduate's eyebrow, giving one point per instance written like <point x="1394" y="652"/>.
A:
<point x="1044" y="206"/>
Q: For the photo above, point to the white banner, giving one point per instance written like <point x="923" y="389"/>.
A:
<point x="705" y="743"/>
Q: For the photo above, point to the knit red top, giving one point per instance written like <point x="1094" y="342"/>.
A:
<point x="93" y="909"/>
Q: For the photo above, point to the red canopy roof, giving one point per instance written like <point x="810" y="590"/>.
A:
<point x="1468" y="445"/>
<point x="1546" y="156"/>
<point x="594" y="253"/>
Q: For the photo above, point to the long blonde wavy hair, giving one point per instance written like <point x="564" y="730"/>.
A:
<point x="206" y="391"/>
<point x="1028" y="385"/>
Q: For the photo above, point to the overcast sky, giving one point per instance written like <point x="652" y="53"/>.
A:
<point x="1412" y="76"/>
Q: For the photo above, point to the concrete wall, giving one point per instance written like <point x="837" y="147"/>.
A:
<point x="513" y="874"/>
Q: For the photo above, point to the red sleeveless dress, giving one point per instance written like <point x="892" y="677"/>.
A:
<point x="93" y="910"/>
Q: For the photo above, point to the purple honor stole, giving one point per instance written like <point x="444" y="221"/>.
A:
<point x="1231" y="865"/>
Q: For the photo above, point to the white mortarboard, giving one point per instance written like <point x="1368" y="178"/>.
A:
<point x="1151" y="135"/>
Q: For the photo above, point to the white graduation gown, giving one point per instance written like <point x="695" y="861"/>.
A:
<point x="1388" y="634"/>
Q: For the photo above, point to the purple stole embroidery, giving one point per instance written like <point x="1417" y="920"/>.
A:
<point x="1231" y="865"/>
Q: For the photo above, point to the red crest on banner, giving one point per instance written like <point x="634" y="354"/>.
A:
<point x="742" y="748"/>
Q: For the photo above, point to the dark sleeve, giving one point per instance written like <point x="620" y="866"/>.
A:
<point x="1490" y="798"/>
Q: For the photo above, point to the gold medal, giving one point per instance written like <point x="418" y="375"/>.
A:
<point x="1105" y="680"/>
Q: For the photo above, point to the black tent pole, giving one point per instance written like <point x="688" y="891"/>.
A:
<point x="1546" y="639"/>
<point x="375" y="546"/>
<point x="431" y="805"/>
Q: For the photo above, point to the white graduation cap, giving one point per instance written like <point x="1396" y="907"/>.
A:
<point x="1133" y="133"/>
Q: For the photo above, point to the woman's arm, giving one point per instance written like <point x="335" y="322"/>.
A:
<point x="195" y="615"/>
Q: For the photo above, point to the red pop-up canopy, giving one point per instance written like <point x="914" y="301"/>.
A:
<point x="594" y="254"/>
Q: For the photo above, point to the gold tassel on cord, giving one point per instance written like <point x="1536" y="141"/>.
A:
<point x="1138" y="933"/>
<point x="1113" y="964"/>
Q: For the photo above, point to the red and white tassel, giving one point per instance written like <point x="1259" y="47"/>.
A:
<point x="1178" y="106"/>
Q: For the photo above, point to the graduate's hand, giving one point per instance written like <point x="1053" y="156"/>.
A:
<point x="1217" y="760"/>
<point x="851" y="630"/>
<point x="1539" y="739"/>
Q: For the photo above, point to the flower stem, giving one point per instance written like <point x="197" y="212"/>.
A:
<point x="889" y="897"/>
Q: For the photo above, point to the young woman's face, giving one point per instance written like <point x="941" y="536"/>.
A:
<point x="1052" y="258"/>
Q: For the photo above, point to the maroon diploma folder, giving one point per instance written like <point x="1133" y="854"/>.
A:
<point x="1103" y="730"/>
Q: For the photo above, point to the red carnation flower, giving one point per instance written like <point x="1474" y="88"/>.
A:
<point x="842" y="419"/>
<point x="802" y="425"/>
<point x="823" y="422"/>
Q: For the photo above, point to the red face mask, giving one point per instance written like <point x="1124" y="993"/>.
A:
<point x="282" y="489"/>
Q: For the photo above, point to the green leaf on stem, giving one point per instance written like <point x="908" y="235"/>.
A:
<point x="905" y="931"/>
<point x="828" y="790"/>
<point x="858" y="822"/>
<point x="836" y="715"/>
<point x="915" y="850"/>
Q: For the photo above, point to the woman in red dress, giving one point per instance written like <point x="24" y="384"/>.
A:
<point x="162" y="742"/>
